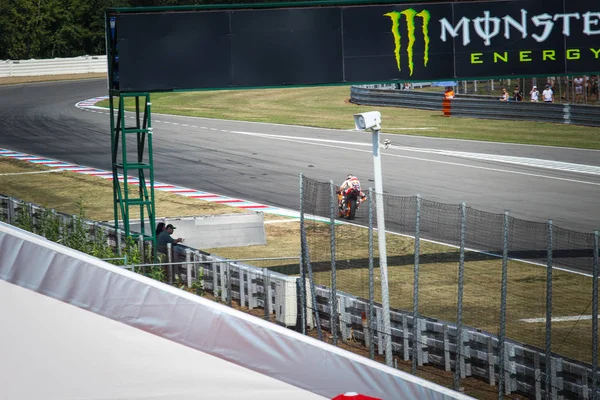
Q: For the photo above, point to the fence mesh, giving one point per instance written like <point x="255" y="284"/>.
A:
<point x="437" y="258"/>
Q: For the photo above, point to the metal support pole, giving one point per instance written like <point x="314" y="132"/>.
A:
<point x="371" y="280"/>
<point x="267" y="287"/>
<point x="503" y="295"/>
<point x="548" y="388"/>
<point x="416" y="347"/>
<point x="10" y="212"/>
<point x="306" y="259"/>
<point x="313" y="294"/>
<point x="385" y="296"/>
<point x="333" y="317"/>
<point x="188" y="266"/>
<point x="170" y="260"/>
<point x="459" y="315"/>
<point x="302" y="261"/>
<point x="559" y="90"/>
<point x="141" y="247"/>
<point x="229" y="277"/>
<point x="595" y="394"/>
<point x="31" y="217"/>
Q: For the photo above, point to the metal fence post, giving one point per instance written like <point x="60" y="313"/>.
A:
<point x="503" y="294"/>
<point x="595" y="354"/>
<point x="170" y="260"/>
<point x="242" y="285"/>
<point x="333" y="317"/>
<point x="313" y="294"/>
<point x="302" y="261"/>
<point x="10" y="211"/>
<point x="31" y="217"/>
<point x="458" y="372"/>
<point x="371" y="279"/>
<point x="416" y="346"/>
<point x="228" y="277"/>
<point x="118" y="239"/>
<point x="188" y="259"/>
<point x="548" y="387"/>
<point x="141" y="248"/>
<point x="306" y="256"/>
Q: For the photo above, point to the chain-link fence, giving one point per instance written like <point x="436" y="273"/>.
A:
<point x="516" y="292"/>
<point x="472" y="287"/>
<point x="247" y="282"/>
<point x="581" y="89"/>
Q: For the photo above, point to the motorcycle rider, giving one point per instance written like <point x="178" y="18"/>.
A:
<point x="350" y="183"/>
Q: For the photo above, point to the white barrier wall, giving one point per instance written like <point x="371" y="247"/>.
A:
<point x="55" y="66"/>
<point x="213" y="231"/>
<point x="78" y="279"/>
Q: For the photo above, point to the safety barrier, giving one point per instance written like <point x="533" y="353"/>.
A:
<point x="55" y="66"/>
<point x="483" y="107"/>
<point x="524" y="366"/>
<point x="228" y="280"/>
<point x="277" y="294"/>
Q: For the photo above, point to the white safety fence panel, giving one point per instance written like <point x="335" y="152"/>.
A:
<point x="78" y="279"/>
<point x="55" y="66"/>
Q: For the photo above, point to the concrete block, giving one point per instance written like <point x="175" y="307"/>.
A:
<point x="213" y="231"/>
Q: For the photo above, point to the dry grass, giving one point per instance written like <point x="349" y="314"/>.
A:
<point x="329" y="107"/>
<point x="438" y="277"/>
<point x="49" y="78"/>
<point x="65" y="191"/>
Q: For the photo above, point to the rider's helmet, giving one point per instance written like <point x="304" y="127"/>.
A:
<point x="349" y="176"/>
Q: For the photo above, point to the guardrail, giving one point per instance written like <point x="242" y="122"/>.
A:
<point x="55" y="66"/>
<point x="482" y="107"/>
<point x="437" y="341"/>
<point x="524" y="366"/>
<point x="228" y="280"/>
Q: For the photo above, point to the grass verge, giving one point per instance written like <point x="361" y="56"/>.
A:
<point x="329" y="107"/>
<point x="66" y="192"/>
<point x="13" y="80"/>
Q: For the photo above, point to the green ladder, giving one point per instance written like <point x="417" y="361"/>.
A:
<point x="142" y="164"/>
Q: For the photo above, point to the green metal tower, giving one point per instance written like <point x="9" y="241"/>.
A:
<point x="135" y="158"/>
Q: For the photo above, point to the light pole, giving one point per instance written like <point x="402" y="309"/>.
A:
<point x="372" y="121"/>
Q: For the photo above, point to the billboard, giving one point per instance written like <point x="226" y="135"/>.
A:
<point x="224" y="48"/>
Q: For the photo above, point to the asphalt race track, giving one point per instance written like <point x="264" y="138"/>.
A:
<point x="262" y="162"/>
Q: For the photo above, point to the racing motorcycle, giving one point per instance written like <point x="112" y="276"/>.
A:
<point x="348" y="206"/>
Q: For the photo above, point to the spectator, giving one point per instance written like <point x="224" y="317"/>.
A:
<point x="406" y="86"/>
<point x="535" y="95"/>
<point x="517" y="95"/>
<point x="165" y="238"/>
<point x="548" y="95"/>
<point x="594" y="87"/>
<point x="504" y="95"/>
<point x="449" y="93"/>
<point x="578" y="83"/>
<point x="159" y="229"/>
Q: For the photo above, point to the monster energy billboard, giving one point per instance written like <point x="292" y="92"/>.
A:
<point x="195" y="48"/>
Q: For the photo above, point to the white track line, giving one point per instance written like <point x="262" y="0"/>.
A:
<point x="28" y="173"/>
<point x="559" y="319"/>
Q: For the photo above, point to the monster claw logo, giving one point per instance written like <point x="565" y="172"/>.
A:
<point x="410" y="15"/>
